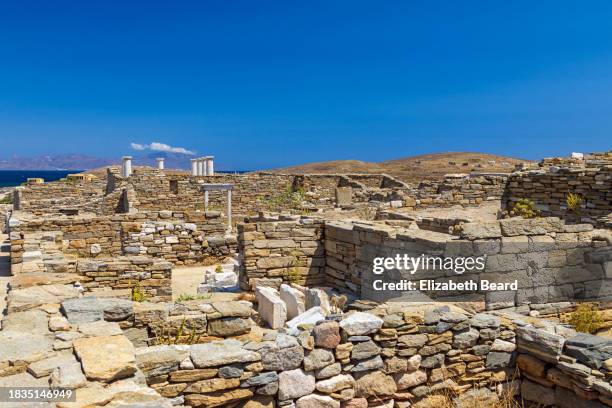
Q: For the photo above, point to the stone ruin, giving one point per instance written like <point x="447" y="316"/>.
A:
<point x="285" y="315"/>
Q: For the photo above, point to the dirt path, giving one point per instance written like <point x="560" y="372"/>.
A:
<point x="186" y="279"/>
<point x="5" y="270"/>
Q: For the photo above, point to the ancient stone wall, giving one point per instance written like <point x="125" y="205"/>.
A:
<point x="151" y="277"/>
<point x="563" y="369"/>
<point x="52" y="197"/>
<point x="280" y="251"/>
<point x="4" y="215"/>
<point x="461" y="189"/>
<point x="178" y="237"/>
<point x="549" y="187"/>
<point x="194" y="321"/>
<point x="41" y="253"/>
<point x="406" y="358"/>
<point x="550" y="261"/>
<point x="392" y="355"/>
<point x="149" y="189"/>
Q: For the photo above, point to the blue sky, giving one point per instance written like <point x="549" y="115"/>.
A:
<point x="265" y="84"/>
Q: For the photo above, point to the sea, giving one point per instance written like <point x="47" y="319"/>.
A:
<point x="12" y="178"/>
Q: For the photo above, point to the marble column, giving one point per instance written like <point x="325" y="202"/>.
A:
<point x="126" y="166"/>
<point x="210" y="170"/>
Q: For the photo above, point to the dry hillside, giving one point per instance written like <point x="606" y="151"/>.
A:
<point x="414" y="168"/>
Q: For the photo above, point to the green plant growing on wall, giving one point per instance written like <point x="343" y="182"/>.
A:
<point x="289" y="199"/>
<point x="138" y="293"/>
<point x="524" y="208"/>
<point x="219" y="269"/>
<point x="184" y="297"/>
<point x="574" y="203"/>
<point x="293" y="274"/>
<point x="586" y="318"/>
<point x="183" y="335"/>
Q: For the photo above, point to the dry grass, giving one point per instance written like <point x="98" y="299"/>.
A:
<point x="185" y="334"/>
<point x="415" y="168"/>
<point x="586" y="318"/>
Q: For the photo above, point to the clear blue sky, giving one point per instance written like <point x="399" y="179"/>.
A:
<point x="273" y="83"/>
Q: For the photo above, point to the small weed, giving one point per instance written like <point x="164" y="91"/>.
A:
<point x="183" y="335"/>
<point x="138" y="293"/>
<point x="586" y="318"/>
<point x="293" y="274"/>
<point x="7" y="199"/>
<point x="184" y="297"/>
<point x="219" y="269"/>
<point x="524" y="208"/>
<point x="288" y="199"/>
<point x="574" y="203"/>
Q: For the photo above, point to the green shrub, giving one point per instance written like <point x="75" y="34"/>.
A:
<point x="574" y="203"/>
<point x="7" y="199"/>
<point x="585" y="318"/>
<point x="289" y="199"/>
<point x="138" y="293"/>
<point x="184" y="335"/>
<point x="524" y="208"/>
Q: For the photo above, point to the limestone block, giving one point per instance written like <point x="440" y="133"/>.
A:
<point x="218" y="353"/>
<point x="44" y="367"/>
<point x="106" y="358"/>
<point x="317" y="359"/>
<point x="374" y="384"/>
<point x="540" y="343"/>
<point x="409" y="380"/>
<point x="475" y="230"/>
<point x="309" y="317"/>
<point x="228" y="326"/>
<point x="68" y="375"/>
<point x="361" y="323"/>
<point x="294" y="300"/>
<point x="344" y="196"/>
<point x="589" y="349"/>
<point x="270" y="307"/>
<point x="294" y="384"/>
<point x="160" y="360"/>
<point x="83" y="310"/>
<point x="317" y="401"/>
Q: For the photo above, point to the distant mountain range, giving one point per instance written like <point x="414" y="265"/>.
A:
<point x="84" y="162"/>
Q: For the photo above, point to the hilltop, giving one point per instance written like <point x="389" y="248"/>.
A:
<point x="414" y="168"/>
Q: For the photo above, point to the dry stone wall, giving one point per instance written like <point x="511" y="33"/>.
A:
<point x="461" y="189"/>
<point x="562" y="368"/>
<point x="41" y="253"/>
<point x="52" y="197"/>
<point x="549" y="187"/>
<point x="550" y="261"/>
<point x="179" y="237"/>
<point x="393" y="354"/>
<point x="281" y="251"/>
